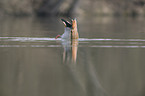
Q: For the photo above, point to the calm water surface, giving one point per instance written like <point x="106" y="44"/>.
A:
<point x="107" y="60"/>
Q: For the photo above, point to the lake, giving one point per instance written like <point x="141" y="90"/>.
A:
<point x="107" y="60"/>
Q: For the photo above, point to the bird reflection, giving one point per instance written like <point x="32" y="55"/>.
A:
<point x="70" y="50"/>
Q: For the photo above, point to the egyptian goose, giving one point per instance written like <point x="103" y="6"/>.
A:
<point x="70" y="31"/>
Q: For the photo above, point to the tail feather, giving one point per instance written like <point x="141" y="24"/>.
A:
<point x="68" y="24"/>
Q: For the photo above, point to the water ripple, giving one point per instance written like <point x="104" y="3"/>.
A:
<point x="83" y="42"/>
<point x="133" y="40"/>
<point x="27" y="39"/>
<point x="51" y="46"/>
<point x="30" y="46"/>
<point x="53" y="39"/>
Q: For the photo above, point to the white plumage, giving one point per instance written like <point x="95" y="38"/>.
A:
<point x="67" y="33"/>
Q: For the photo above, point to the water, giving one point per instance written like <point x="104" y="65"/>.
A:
<point x="107" y="59"/>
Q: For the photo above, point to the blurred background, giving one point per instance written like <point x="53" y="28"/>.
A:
<point x="71" y="7"/>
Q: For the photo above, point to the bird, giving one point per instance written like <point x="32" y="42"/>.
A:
<point x="74" y="31"/>
<point x="70" y="30"/>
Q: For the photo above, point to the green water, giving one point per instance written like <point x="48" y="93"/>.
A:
<point x="108" y="61"/>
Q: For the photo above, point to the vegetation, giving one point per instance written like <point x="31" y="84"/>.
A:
<point x="67" y="7"/>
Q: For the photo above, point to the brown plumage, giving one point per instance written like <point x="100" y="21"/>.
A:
<point x="74" y="33"/>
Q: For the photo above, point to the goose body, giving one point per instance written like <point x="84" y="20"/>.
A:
<point x="67" y="33"/>
<point x="70" y="30"/>
<point x="74" y="33"/>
